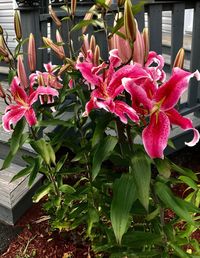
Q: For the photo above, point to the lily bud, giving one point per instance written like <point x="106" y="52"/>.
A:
<point x="54" y="17"/>
<point x="2" y="41"/>
<point x="17" y="24"/>
<point x="129" y="22"/>
<point x="139" y="51"/>
<point x="96" y="55"/>
<point x="120" y="2"/>
<point x="1" y="30"/>
<point x="70" y="61"/>
<point x="31" y="53"/>
<point x="73" y="7"/>
<point x="22" y="73"/>
<point x="179" y="60"/>
<point x="146" y="43"/>
<point x="2" y="92"/>
<point x="92" y="43"/>
<point x="88" y="16"/>
<point x="60" y="40"/>
<point x="63" y="69"/>
<point x="3" y="52"/>
<point x="85" y="46"/>
<point x="49" y="43"/>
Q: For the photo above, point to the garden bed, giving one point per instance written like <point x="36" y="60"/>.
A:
<point x="37" y="240"/>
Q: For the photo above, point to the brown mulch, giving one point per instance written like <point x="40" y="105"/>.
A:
<point x="36" y="239"/>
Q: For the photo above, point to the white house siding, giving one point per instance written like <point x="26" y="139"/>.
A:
<point x="6" y="21"/>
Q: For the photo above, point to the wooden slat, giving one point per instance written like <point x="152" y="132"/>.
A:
<point x="139" y="17"/>
<point x="44" y="52"/>
<point x="193" y="93"/>
<point x="177" y="29"/>
<point x="155" y="27"/>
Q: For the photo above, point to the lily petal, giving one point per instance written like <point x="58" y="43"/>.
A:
<point x="170" y="92"/>
<point x="185" y="123"/>
<point x="30" y="117"/>
<point x="138" y="95"/>
<point x="135" y="71"/>
<point x="122" y="110"/>
<point x="18" y="92"/>
<point x="41" y="90"/>
<point x="155" y="135"/>
<point x="13" y="114"/>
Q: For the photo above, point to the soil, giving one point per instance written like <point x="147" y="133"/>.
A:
<point x="37" y="240"/>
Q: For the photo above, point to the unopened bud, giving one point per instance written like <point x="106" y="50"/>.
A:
<point x="2" y="92"/>
<point x="31" y="53"/>
<point x="85" y="46"/>
<point x="179" y="60"/>
<point x="1" y="30"/>
<point x="120" y="2"/>
<point x="92" y="43"/>
<point x="17" y="24"/>
<point x="54" y="17"/>
<point x="146" y="43"/>
<point x="60" y="40"/>
<point x="73" y="7"/>
<point x="63" y="69"/>
<point x="3" y="52"/>
<point x="96" y="55"/>
<point x="2" y="41"/>
<point x="49" y="43"/>
<point x="129" y="22"/>
<point x="88" y="16"/>
<point x="70" y="61"/>
<point x="22" y="73"/>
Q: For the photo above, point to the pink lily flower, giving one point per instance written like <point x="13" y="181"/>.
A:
<point x="106" y="84"/>
<point x="47" y="78"/>
<point x="23" y="104"/>
<point x="160" y="107"/>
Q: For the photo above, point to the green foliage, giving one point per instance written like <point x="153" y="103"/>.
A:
<point x="124" y="194"/>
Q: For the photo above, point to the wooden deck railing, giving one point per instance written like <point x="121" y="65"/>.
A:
<point x="36" y="21"/>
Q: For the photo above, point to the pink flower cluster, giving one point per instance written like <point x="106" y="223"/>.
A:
<point x="153" y="97"/>
<point x="24" y="94"/>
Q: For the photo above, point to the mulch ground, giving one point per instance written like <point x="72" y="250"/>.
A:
<point x="36" y="239"/>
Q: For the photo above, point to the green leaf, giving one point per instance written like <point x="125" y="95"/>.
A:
<point x="85" y="23"/>
<point x="189" y="182"/>
<point x="17" y="140"/>
<point x="184" y="171"/>
<point x="179" y="251"/>
<point x="93" y="217"/>
<point x="102" y="153"/>
<point x="11" y="75"/>
<point x="140" y="239"/>
<point x="7" y="160"/>
<point x="55" y="122"/>
<point x="61" y="162"/>
<point x="99" y="131"/>
<point x="40" y="146"/>
<point x="177" y="205"/>
<point x="41" y="192"/>
<point x="22" y="173"/>
<point x="67" y="189"/>
<point x="163" y="167"/>
<point x="16" y="136"/>
<point x="141" y="170"/>
<point x="34" y="171"/>
<point x="124" y="195"/>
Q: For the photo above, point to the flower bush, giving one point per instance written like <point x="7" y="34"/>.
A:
<point x="84" y="120"/>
